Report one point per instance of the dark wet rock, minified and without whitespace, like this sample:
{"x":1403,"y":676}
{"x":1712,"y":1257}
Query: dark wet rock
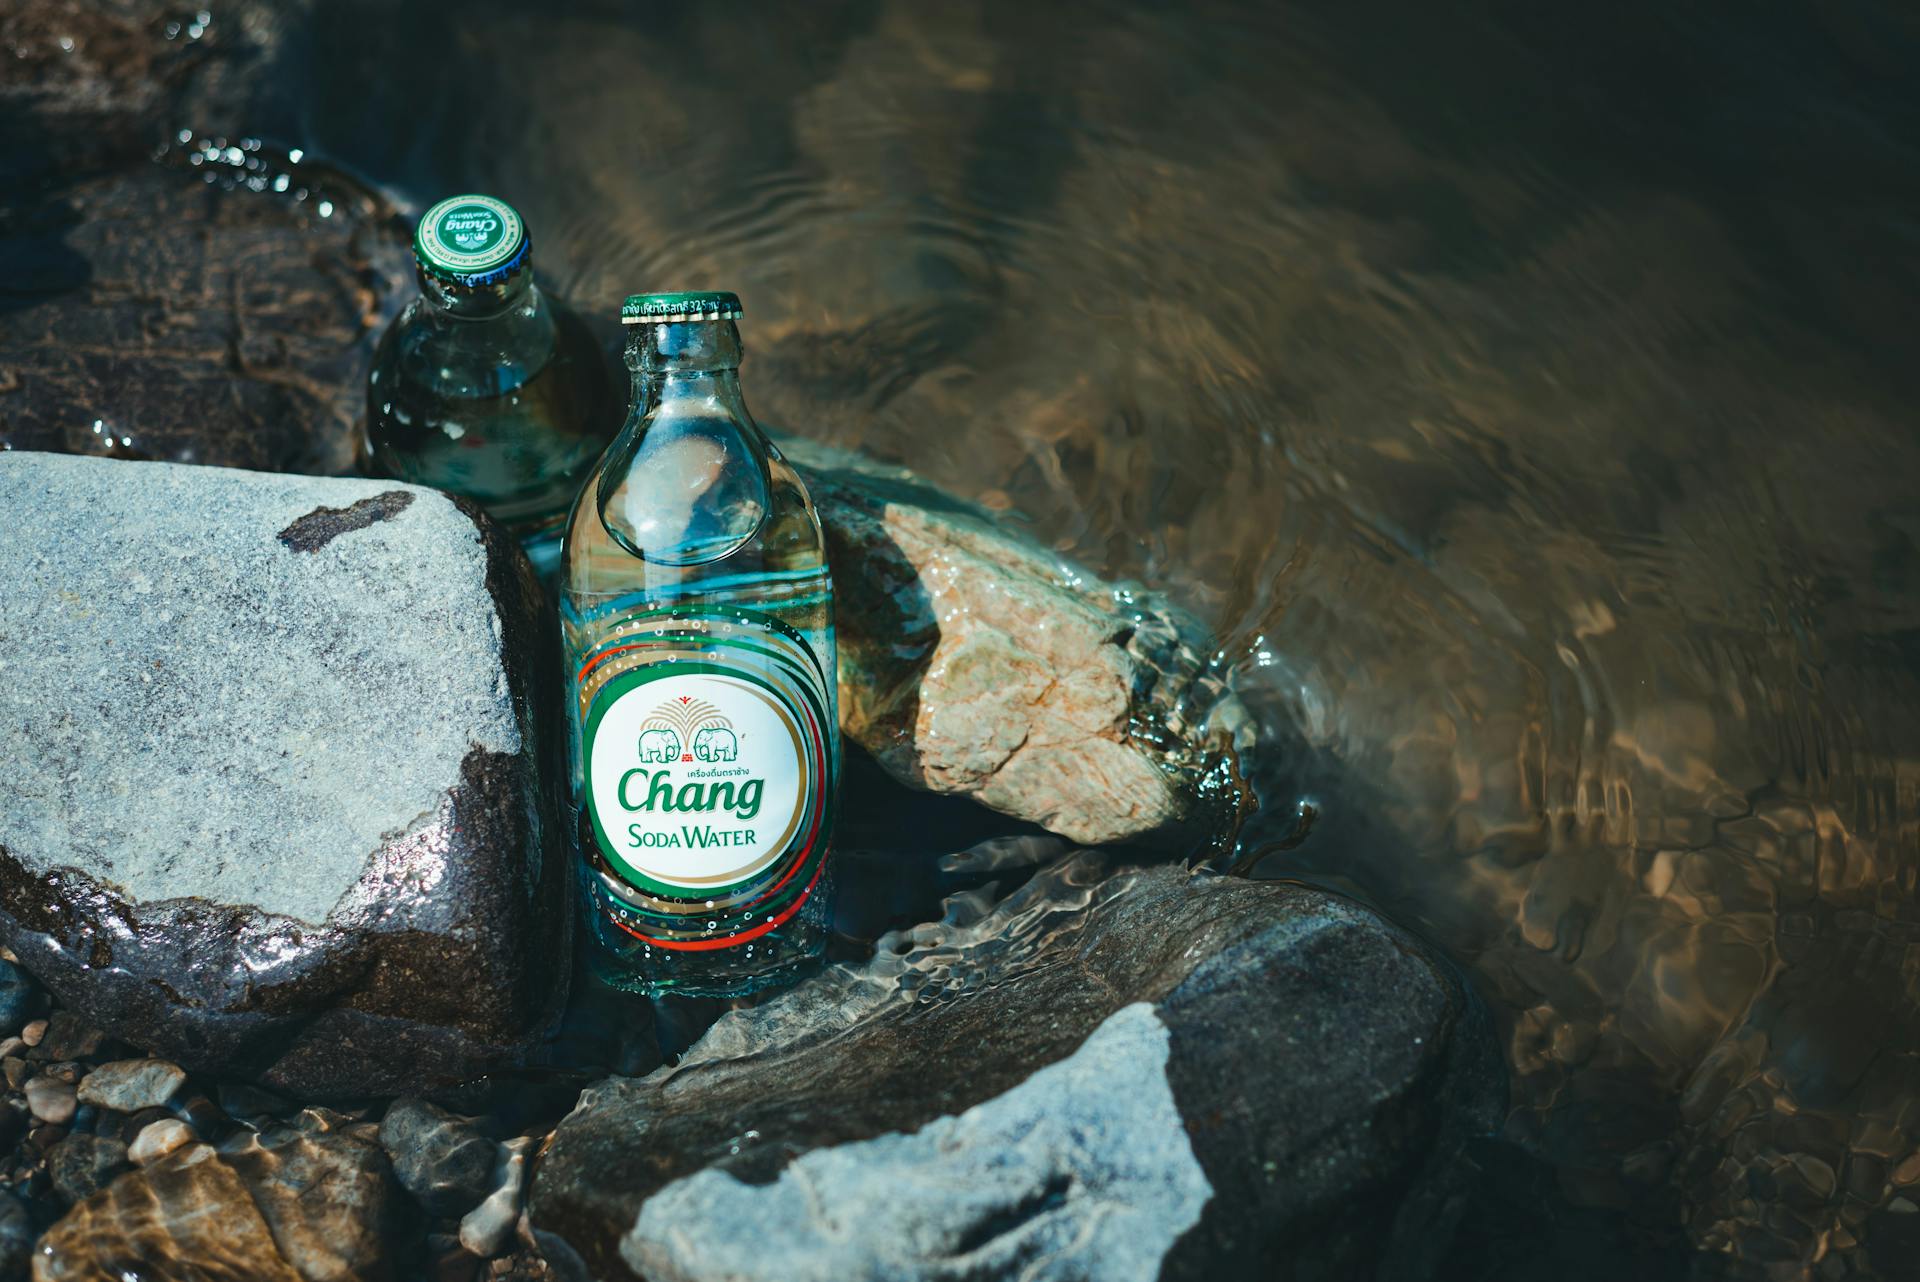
{"x":183,"y":322}
{"x":1118,"y":1076}
{"x":441,"y":1159}
{"x":87,"y":75}
{"x":20,"y":998}
{"x":83,"y":1164}
{"x":216,"y":308}
{"x":277,"y":813}
{"x":252,"y":1105}
{"x":16,"y":1238}
{"x":128,"y":1085}
{"x":975,"y":662}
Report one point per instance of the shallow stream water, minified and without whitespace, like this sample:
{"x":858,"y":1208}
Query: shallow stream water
{"x":1525,"y":398}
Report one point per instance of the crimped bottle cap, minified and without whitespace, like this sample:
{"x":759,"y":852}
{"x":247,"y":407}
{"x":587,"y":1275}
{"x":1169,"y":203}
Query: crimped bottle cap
{"x":472,"y":240}
{"x":657,"y":309}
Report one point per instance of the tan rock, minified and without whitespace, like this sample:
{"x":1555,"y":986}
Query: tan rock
{"x":187,"y":1215}
{"x":50,"y":1099}
{"x":280,"y":1207}
{"x":972,"y":661}
{"x":157,"y":1139}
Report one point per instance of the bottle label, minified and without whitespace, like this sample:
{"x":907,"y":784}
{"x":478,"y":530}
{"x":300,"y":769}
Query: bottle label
{"x":706,"y":749}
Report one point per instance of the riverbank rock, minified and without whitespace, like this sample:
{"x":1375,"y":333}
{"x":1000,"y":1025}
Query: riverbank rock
{"x":972,"y":661}
{"x":1128,"y":1076}
{"x":181,"y":321}
{"x":279,"y":1207}
{"x":276,"y":803}
{"x":217,"y":307}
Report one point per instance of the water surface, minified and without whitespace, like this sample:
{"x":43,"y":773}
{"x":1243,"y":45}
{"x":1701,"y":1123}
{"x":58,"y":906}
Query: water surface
{"x":1524,"y":396}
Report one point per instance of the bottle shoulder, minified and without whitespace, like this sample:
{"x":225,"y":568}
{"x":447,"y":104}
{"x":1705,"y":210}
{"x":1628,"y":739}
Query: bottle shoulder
{"x":428,"y":347}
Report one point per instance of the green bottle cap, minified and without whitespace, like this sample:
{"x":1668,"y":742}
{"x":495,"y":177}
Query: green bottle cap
{"x":655,"y":309}
{"x":471,"y":240}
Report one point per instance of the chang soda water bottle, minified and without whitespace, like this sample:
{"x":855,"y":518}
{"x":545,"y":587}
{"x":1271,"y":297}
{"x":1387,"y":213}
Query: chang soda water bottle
{"x":698,"y":623}
{"x":484,"y":385}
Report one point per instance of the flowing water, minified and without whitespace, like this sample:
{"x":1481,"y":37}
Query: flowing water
{"x":1523,"y":395}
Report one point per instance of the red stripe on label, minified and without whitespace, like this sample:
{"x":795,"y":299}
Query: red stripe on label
{"x":731,"y":941}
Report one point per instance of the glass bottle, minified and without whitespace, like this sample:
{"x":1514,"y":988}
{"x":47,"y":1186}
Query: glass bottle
{"x":697,"y":615}
{"x":484,"y":385}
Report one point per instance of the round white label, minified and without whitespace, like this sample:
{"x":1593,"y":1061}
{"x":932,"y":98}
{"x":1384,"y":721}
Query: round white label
{"x":697,"y":782}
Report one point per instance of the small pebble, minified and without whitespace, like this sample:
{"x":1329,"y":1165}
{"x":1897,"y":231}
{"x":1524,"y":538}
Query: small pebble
{"x":128,"y":1085}
{"x":11,"y":1047}
{"x":486,"y":1229}
{"x":33,"y":1032}
{"x":158,"y":1140}
{"x":16,"y":1071}
{"x":51,"y":1099}
{"x":45,"y":1137}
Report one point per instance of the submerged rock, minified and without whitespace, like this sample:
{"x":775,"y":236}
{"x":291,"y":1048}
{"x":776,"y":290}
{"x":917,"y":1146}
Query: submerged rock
{"x":972,"y":661}
{"x":218,"y":307}
{"x":82,"y":1164}
{"x":484,"y":1231}
{"x":441,"y":1159}
{"x":16,"y":1237}
{"x":20,"y":999}
{"x":188,"y":323}
{"x":129,"y":1085}
{"x":1131,"y":1076}
{"x":277,"y":803}
{"x":281,"y":1207}
{"x":157,"y":1139}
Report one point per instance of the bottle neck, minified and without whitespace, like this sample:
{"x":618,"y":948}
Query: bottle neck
{"x":686,"y":360}
{"x":480,"y":302}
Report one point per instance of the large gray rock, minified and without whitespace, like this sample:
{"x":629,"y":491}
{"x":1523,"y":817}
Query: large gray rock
{"x":974,"y":662}
{"x":275,"y":798}
{"x":1129,"y":1076}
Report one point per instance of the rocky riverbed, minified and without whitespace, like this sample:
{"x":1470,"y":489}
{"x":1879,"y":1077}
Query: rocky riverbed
{"x":1081,"y":1067}
{"x":319,"y":1030}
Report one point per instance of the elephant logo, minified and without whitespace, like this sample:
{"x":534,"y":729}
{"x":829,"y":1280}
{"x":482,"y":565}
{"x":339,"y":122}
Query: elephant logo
{"x":687,"y":729}
{"x":715,"y":742}
{"x":660,"y":745}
